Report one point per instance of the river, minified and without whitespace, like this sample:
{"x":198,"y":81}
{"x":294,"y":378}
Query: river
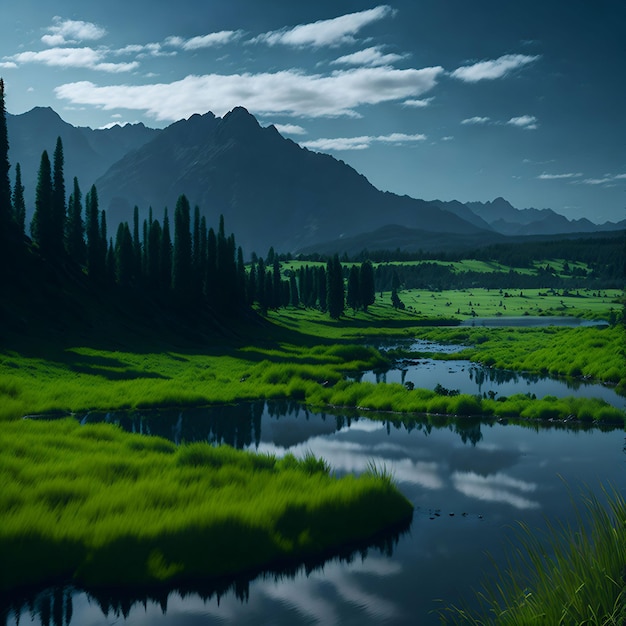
{"x":470,"y":482}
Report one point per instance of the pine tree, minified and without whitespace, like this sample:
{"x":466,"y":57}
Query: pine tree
{"x":75,"y":228}
{"x":6,"y":209}
{"x":137,"y":251}
{"x":294,"y":297}
{"x":153,"y":263}
{"x":165,"y":270}
{"x":276,"y":284}
{"x":95,"y":267}
{"x":19,"y":206}
{"x":335,"y":288}
{"x":211,"y":272}
{"x":182,"y":265}
{"x":58,"y":199}
{"x":353,"y":297}
{"x":322,"y":289}
{"x":42,"y":225}
{"x":367,"y":286}
{"x":124,"y":256}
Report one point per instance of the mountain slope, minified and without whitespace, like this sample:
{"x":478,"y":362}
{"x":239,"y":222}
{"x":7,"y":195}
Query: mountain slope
{"x":271,"y":191}
{"x":88,"y":153}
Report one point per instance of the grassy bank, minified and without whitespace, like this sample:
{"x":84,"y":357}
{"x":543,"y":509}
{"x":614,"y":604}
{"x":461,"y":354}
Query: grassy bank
{"x":593,"y":353}
{"x":564,"y":575}
{"x":98,"y":506}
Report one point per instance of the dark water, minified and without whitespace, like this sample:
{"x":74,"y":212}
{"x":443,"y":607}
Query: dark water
{"x":469,"y":483}
{"x":473,"y":378}
{"x":531,"y":320}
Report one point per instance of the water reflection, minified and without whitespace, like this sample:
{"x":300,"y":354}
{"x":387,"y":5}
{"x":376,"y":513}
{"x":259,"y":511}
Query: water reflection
{"x":469,"y":482}
{"x":67,"y":605}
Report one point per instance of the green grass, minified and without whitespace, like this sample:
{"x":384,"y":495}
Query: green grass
{"x":567,"y":574}
{"x":95,"y":505}
{"x":594,"y":353}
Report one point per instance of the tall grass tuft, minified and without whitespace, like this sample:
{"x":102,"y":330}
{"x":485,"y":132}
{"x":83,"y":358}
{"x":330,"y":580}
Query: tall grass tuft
{"x":567,"y":574}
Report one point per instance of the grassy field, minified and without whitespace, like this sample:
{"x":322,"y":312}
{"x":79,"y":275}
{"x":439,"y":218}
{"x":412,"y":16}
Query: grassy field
{"x":98,"y":506}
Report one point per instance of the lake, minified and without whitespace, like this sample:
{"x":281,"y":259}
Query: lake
{"x":470,"y":482}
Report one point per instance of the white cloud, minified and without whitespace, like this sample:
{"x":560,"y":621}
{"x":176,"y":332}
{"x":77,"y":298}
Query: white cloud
{"x":9,"y":65}
{"x":476,"y":120}
{"x":290,"y":129}
{"x":370,"y":56}
{"x":287,"y":92}
{"x":360,"y":143}
{"x":332,"y":32}
{"x":73,"y":57}
{"x":72,"y":31}
{"x":447,"y":138}
{"x":545,"y":176}
{"x":206,"y":41}
{"x":524,"y":121}
{"x":418,"y":104}
{"x":489,"y":70}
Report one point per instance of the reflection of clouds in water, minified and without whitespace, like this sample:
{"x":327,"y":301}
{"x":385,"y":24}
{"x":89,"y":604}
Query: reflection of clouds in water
{"x":495,"y":488}
{"x":366,"y":425}
{"x":311,"y":597}
{"x":348,"y":456}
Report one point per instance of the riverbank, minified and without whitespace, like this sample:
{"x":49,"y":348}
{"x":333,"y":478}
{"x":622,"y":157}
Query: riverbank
{"x":93,"y":505}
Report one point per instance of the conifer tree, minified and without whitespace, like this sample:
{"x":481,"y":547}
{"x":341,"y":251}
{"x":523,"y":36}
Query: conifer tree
{"x":95,"y":267}
{"x":124,"y":256}
{"x":251,"y":289}
{"x":58,"y":199}
{"x":276,"y":284}
{"x":182,"y":265}
{"x":353,"y":297}
{"x":153,"y":264}
{"x":366,"y":284}
{"x":6,"y":209}
{"x":165,"y":281}
{"x":137,"y":252}
{"x":19,"y":206}
{"x":211,"y":272}
{"x":335,"y":288}
{"x":75,"y":228}
{"x":322,"y":288}
{"x":41,"y":227}
{"x":293,"y":291}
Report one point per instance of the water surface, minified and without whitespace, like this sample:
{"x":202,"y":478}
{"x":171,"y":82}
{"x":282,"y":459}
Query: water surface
{"x":470,"y":482}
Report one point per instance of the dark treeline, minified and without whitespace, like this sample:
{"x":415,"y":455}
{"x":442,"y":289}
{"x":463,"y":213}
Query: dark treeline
{"x":184,"y":264}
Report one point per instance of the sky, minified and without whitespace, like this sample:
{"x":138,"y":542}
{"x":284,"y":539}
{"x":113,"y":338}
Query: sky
{"x":438,"y":99}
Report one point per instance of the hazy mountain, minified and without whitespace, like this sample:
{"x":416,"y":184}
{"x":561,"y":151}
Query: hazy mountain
{"x":393,"y":237}
{"x":271,"y":191}
{"x":504,"y":218}
{"x":88,"y":153}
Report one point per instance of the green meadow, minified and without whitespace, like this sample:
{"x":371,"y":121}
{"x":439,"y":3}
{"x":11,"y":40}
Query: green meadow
{"x":95,"y":505}
{"x":98,"y":506}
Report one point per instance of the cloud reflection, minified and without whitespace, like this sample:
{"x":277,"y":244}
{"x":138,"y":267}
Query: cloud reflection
{"x":495,"y":488}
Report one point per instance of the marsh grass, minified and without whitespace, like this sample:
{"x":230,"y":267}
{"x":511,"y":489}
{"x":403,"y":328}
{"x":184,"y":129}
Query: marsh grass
{"x":96,"y":505}
{"x":566,"y":574}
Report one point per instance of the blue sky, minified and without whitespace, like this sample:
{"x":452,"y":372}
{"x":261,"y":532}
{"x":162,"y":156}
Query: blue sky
{"x":447,"y":99}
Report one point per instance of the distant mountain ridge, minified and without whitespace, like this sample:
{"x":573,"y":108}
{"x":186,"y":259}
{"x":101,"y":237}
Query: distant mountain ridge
{"x":271,"y":191}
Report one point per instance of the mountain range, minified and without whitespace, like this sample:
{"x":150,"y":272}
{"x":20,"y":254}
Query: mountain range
{"x":271,"y":191}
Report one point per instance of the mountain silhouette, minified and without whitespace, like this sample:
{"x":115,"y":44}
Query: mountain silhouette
{"x":271,"y":191}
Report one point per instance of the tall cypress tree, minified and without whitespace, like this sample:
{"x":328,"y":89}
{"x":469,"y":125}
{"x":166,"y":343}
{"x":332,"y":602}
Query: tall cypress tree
{"x":41,"y":227}
{"x":58,"y":198}
{"x":6,"y":208}
{"x":75,"y":228}
{"x":124,"y":256}
{"x":137,"y":254}
{"x":153,"y":263}
{"x":166,"y":256}
{"x":211,"y":271}
{"x":182,"y":266}
{"x":367,"y":286}
{"x":94,"y":265}
{"x":19,"y":206}
{"x":353,"y":297}
{"x":335,"y":288}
